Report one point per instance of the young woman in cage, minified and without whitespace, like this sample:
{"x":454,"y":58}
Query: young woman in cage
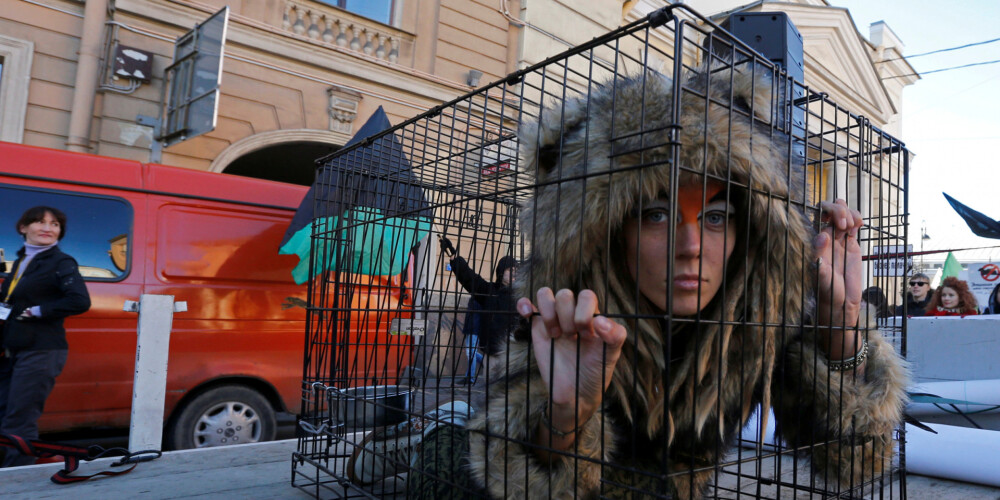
{"x":642,"y":356}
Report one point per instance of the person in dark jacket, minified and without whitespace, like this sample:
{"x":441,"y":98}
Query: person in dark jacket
{"x":470,"y":332}
{"x":993,"y":303}
{"x":918,"y":297}
{"x":875,"y":298}
{"x":497,"y":317}
{"x":43,"y":287}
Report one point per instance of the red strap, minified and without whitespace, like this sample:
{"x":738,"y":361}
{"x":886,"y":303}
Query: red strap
{"x":64,"y":477}
{"x":71,"y":456}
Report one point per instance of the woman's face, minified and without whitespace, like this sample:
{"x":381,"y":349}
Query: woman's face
{"x":708,"y":248}
{"x":42,"y":233}
{"x":949,"y":297}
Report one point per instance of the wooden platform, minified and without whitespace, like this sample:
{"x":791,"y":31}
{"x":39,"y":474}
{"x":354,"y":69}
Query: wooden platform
{"x":263,"y":471}
{"x":260,"y":471}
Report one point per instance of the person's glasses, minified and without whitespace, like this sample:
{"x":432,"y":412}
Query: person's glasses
{"x":918,"y":283}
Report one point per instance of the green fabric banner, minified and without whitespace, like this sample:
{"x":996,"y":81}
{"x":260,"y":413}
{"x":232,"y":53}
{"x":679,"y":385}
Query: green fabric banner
{"x":369,"y":243}
{"x":951,"y":267}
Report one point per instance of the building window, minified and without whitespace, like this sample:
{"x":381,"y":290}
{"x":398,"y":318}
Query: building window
{"x":15,"y":74}
{"x":379,"y":10}
{"x":98,"y":229}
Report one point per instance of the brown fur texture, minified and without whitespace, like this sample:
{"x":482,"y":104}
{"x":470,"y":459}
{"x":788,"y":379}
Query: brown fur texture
{"x":596,"y":162}
{"x":518,"y":474}
{"x":845,"y":426}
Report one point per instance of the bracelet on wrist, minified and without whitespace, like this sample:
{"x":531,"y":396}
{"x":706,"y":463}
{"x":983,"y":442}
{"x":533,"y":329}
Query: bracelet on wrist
{"x":852,"y":362}
{"x":547,"y":420}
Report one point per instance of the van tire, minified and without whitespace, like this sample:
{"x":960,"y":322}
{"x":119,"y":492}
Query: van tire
{"x":223,"y":416}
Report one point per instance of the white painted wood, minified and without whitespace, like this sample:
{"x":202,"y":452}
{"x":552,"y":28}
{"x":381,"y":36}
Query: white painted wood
{"x":156,"y":314}
{"x":942,"y":349}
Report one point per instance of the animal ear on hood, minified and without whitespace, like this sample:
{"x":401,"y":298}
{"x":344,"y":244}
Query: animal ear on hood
{"x":543,"y":138}
{"x":752,"y":92}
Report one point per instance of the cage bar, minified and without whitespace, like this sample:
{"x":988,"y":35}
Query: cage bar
{"x":385,"y":344}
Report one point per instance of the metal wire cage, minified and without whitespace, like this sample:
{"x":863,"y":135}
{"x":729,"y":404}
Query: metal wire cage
{"x":678,"y":175}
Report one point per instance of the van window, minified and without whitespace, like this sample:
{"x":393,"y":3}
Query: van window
{"x":97,"y":235}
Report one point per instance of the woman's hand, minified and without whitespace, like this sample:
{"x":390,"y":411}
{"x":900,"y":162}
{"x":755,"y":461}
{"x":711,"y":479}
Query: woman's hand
{"x":838,"y":258}
{"x":576,"y":352}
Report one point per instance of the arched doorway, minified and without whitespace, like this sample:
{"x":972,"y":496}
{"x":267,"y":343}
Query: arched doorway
{"x":292,"y":162}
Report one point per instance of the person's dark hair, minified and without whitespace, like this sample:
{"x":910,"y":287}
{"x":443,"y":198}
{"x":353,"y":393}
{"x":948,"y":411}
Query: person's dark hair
{"x":876,"y":298}
{"x":37,"y":214}
{"x":966,"y":301}
{"x":505,"y":263}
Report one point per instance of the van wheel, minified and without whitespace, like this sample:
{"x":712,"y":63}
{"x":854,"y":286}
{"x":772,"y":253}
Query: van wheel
{"x":223,"y":416}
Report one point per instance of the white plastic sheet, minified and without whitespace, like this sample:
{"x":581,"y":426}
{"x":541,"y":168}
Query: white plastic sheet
{"x":958,"y":453}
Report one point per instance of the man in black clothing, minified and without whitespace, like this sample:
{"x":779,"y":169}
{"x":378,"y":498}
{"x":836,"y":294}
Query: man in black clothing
{"x":497,"y":317}
{"x":918,"y":296}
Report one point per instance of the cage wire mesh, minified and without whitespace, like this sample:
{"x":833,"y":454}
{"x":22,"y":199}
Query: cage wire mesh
{"x":677,"y":175}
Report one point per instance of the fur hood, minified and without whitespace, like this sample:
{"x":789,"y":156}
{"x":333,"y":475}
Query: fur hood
{"x":598,"y":160}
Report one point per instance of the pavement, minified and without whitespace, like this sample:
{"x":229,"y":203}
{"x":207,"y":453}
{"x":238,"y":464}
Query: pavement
{"x":264,"y":471}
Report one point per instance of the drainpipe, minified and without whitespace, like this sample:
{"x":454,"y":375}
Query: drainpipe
{"x":87,"y":70}
{"x":513,"y":33}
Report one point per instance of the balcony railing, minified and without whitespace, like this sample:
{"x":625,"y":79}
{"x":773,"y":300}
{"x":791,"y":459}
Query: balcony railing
{"x":335,"y":26}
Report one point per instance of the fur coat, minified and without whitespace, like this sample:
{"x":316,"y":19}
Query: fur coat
{"x":682,"y":388}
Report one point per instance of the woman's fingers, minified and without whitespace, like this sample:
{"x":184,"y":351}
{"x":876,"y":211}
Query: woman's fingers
{"x":546,"y":303}
{"x":612,"y":333}
{"x":838,"y":215}
{"x":858,"y":223}
{"x":841,"y":217}
{"x":823,"y":252}
{"x":525,"y":308}
{"x":838,"y":258}
{"x":586,"y":308}
{"x":565,"y":311}
{"x":564,"y":314}
{"x":833,"y":213}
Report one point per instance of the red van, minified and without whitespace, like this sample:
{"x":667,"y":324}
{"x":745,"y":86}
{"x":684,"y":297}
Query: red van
{"x":208,"y":239}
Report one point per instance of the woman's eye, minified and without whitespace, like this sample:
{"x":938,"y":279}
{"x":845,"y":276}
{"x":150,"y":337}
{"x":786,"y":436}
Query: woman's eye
{"x":655,"y":216}
{"x":715,"y":219}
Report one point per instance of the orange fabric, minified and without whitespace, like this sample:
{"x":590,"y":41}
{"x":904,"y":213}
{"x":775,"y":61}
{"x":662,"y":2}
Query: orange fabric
{"x":689,"y":200}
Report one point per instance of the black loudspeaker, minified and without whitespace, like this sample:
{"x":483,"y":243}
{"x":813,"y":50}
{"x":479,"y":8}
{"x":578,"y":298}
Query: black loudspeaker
{"x":773,"y":35}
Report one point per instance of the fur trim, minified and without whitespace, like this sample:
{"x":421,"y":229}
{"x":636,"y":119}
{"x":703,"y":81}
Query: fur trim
{"x":501,"y":457}
{"x":598,"y":159}
{"x":587,"y":188}
{"x":849,"y":422}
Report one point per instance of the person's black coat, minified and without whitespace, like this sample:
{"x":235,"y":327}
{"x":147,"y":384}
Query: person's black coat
{"x":53,"y":282}
{"x":993,"y":303}
{"x":913,"y":307}
{"x":497,"y":317}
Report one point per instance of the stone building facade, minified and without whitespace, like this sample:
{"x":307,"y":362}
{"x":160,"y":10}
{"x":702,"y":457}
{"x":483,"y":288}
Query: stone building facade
{"x":302,"y":73}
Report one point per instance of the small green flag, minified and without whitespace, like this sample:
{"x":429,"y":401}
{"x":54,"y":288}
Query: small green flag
{"x":951,"y":267}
